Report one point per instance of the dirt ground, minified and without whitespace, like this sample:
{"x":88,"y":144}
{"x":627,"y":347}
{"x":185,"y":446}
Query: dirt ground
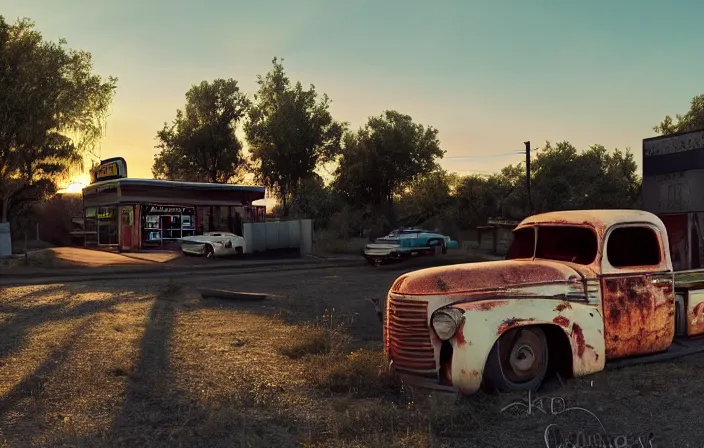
{"x":149,"y":364}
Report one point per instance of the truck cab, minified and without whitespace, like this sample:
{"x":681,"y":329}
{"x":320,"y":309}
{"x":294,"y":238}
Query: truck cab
{"x":578,"y":289}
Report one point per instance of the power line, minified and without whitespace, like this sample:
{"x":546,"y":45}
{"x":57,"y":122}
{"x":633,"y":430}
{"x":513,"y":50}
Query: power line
{"x":474,"y":171}
{"x":504,"y":154}
{"x":510,"y":162}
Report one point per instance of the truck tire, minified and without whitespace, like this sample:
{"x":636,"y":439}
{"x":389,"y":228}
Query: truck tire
{"x":209,"y":252}
{"x":518,"y":361}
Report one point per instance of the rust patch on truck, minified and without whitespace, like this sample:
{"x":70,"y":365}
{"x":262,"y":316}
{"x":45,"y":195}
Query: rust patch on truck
{"x":695,"y":320}
{"x":490,"y":304}
{"x":482,"y":305}
{"x":562,"y":321}
{"x":563,"y":306}
{"x":513,"y":322}
{"x":579,"y":339}
{"x":507,"y":324}
{"x":459,"y":336}
{"x":637,"y":316}
{"x":442,"y":286}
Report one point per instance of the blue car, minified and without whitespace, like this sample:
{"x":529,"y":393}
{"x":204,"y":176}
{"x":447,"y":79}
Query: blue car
{"x":406,"y":243}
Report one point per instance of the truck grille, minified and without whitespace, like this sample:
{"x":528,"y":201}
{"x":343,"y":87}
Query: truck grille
{"x":408,"y":337}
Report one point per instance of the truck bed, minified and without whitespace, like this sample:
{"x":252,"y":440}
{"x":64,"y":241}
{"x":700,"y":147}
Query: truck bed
{"x":691,"y":279}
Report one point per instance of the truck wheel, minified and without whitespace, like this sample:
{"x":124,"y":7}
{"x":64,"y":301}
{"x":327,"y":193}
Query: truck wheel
{"x":518,"y":361}
{"x":209,"y":252}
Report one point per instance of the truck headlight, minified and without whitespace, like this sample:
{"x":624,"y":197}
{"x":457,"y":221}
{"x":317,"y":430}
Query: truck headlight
{"x":446,"y":321}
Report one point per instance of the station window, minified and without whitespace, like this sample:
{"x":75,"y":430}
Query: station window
{"x":166,"y":224}
{"x":107,"y":225}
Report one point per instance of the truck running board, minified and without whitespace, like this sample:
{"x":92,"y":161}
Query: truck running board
{"x":679,"y":348}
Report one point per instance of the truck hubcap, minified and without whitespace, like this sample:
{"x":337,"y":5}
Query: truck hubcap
{"x":521,"y":354}
{"x":522,"y":358}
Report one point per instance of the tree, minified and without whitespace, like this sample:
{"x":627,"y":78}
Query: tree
{"x":383,"y":158}
{"x":427,"y":196}
{"x":500,"y":195}
{"x":290,"y":132}
{"x":314,"y":200}
{"x":693,"y":120}
{"x":564,"y":179}
{"x":200,"y":145}
{"x":557,"y":178}
{"x":52,"y":113}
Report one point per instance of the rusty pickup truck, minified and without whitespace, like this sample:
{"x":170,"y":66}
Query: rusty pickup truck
{"x":577,"y":289}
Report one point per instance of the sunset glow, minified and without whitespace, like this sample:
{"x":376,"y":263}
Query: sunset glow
{"x":76,"y":185}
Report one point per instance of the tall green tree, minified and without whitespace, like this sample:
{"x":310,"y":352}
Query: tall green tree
{"x":52,"y":113}
{"x":200,"y":145}
{"x":383,"y":158}
{"x":290,"y":132}
{"x":693,"y":120}
{"x":565,"y":179}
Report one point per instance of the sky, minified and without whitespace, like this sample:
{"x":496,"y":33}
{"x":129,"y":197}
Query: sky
{"x":487,"y":74}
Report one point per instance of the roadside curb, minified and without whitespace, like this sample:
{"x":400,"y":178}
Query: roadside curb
{"x":112,"y":271}
{"x":166,"y":274}
{"x":90,"y":274}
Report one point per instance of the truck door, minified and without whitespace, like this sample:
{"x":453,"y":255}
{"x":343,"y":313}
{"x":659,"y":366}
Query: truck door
{"x":638,"y":301}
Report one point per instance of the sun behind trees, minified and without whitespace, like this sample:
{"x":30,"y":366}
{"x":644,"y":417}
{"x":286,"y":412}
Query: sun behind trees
{"x":52,"y":113}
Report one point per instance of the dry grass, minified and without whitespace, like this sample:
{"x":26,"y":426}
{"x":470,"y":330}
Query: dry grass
{"x":326,"y":335}
{"x":360,"y":373}
{"x":333,"y":364}
{"x":312,"y":339}
{"x":365,"y":405}
{"x":157,"y":366}
{"x":163,"y":367}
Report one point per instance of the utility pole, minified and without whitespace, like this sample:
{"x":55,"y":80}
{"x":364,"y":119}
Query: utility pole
{"x":530,"y":200}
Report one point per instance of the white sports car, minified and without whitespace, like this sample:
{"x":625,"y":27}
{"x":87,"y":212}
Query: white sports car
{"x":213,"y":244}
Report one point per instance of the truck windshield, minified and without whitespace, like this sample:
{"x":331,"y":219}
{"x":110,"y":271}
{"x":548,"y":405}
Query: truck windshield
{"x":561,"y":243}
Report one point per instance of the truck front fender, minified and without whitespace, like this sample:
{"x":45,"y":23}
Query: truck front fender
{"x":485,"y":321}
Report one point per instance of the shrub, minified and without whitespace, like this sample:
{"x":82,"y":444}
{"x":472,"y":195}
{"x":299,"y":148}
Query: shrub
{"x":314,"y":339}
